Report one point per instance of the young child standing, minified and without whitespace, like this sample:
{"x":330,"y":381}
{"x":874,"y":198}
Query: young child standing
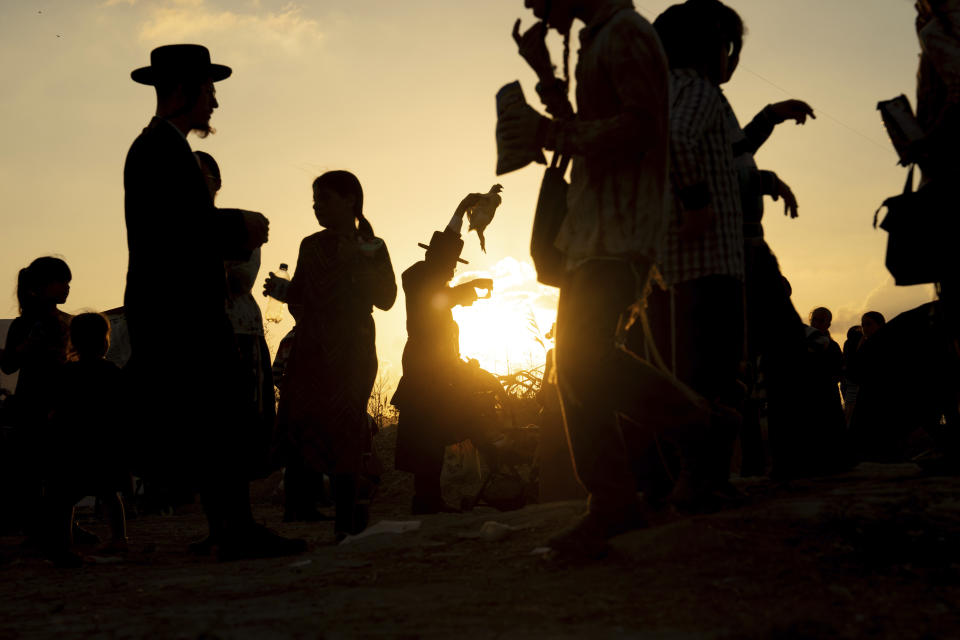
{"x":87,"y":427}
{"x":702,"y":260}
{"x":342,"y":272}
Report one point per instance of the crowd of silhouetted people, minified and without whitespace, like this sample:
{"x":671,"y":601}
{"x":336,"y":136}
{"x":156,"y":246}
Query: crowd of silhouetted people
{"x":676,"y":337}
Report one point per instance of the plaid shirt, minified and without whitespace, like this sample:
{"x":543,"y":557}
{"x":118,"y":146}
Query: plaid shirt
{"x":702,"y":174}
{"x":616,"y":204}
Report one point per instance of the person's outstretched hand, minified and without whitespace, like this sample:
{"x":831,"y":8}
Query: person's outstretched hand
{"x":467,"y":203}
{"x":485,"y":284}
{"x":796,"y":110}
{"x":258,"y":228}
{"x":789,"y":200}
{"x":533,"y":48}
{"x":465,"y":294}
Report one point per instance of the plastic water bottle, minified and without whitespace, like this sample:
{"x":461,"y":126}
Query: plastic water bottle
{"x":275,"y":307}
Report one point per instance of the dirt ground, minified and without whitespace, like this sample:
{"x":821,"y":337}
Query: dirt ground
{"x":874,"y":552}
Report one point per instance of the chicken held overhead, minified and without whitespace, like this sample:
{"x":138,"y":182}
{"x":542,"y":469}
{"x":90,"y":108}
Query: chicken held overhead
{"x":480,"y":210}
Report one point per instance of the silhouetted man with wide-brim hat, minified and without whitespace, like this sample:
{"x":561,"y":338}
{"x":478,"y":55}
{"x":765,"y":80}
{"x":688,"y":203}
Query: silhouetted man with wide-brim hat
{"x":434,"y":395}
{"x":184,"y":369}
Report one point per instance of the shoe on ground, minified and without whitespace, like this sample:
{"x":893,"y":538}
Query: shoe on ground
{"x":706,"y":502}
{"x":935,"y":462}
{"x":258,"y":542}
{"x":202,"y":547}
{"x":728,"y":491}
{"x":84,"y":536}
{"x":358,"y":523}
{"x":587,"y":538}
{"x":695,"y":499}
{"x":752,"y":471}
{"x":361,"y":516}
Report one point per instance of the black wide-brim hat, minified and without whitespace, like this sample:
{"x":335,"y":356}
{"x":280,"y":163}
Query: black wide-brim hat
{"x":176,"y":62}
{"x":445,"y":245}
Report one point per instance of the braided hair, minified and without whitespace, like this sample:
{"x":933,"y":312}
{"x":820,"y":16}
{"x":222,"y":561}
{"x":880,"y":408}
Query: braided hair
{"x":566,"y":61}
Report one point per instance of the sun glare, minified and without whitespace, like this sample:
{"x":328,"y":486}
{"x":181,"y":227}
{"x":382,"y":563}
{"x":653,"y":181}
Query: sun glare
{"x":506,"y":332}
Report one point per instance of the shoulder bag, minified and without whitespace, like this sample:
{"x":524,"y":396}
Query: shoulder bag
{"x":551,"y":210}
{"x":921,"y":230}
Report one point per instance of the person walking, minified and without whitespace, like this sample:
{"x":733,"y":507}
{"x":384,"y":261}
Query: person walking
{"x":610,"y":238}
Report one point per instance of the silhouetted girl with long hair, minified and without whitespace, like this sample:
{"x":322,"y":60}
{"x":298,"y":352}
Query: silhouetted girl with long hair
{"x":37,"y":345}
{"x":37,"y":341}
{"x":342,"y":272}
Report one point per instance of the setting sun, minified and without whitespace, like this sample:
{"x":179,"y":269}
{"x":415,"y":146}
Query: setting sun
{"x":506,"y":332}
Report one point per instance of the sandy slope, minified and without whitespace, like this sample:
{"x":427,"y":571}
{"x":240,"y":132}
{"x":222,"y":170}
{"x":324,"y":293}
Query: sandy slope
{"x":875,"y":552}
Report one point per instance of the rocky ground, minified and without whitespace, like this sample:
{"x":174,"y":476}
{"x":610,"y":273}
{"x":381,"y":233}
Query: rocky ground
{"x":874,"y":552}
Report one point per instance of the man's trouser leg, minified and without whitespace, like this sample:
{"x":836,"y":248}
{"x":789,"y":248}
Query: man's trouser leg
{"x":710,"y":336}
{"x":714,"y":313}
{"x":698,"y":326}
{"x":591,"y":301}
{"x":347,"y":522}
{"x":299,"y":488}
{"x":219,"y":467}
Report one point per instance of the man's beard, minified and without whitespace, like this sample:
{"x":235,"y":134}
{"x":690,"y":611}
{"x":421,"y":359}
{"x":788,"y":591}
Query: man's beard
{"x":204,"y":131}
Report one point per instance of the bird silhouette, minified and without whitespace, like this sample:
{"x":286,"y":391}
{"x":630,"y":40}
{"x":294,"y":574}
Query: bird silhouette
{"x":480,"y":210}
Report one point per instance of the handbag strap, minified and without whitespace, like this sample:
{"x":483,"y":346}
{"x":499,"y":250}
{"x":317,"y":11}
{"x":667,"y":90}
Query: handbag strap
{"x":907,"y":190}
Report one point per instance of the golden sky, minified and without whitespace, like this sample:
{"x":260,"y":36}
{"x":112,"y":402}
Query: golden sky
{"x":402,"y":94}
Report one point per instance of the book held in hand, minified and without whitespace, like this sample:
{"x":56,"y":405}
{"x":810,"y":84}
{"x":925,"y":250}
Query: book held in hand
{"x":901,"y":124}
{"x":509,"y":159}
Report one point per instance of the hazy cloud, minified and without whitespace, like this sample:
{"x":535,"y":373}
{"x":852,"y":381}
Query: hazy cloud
{"x":253,"y":28}
{"x":506,"y":332}
{"x":887,"y":298}
{"x":516,"y":279}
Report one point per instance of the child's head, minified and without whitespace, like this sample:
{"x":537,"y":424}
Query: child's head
{"x":705,"y":35}
{"x":855,"y":332}
{"x":211,"y":172}
{"x":338,"y":196}
{"x":90,"y":335}
{"x":820,"y":319}
{"x":872,"y":321}
{"x":45,"y":283}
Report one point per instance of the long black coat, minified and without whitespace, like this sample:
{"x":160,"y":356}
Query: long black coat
{"x":183,"y":363}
